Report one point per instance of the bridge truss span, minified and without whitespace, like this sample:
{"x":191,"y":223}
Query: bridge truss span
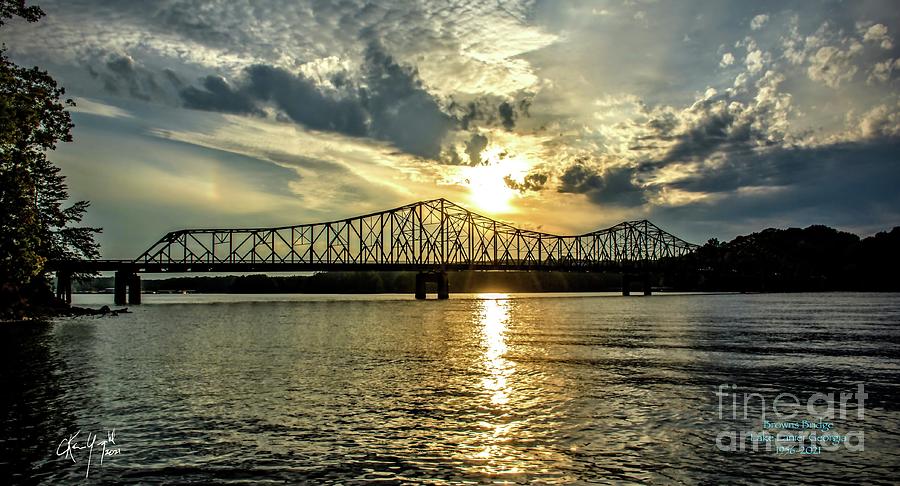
{"x":426,"y":235}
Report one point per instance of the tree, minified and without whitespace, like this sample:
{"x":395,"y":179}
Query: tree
{"x":35,"y":225}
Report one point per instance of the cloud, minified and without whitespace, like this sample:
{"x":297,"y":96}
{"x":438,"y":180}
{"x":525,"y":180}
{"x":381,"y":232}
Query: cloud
{"x":173,"y":78}
{"x":474,"y":147}
{"x":665,"y":145}
{"x":833,"y":57}
{"x":507,"y":115}
{"x":473,"y":49}
{"x":98,"y":108}
{"x":388,"y":101}
{"x":362,"y":174}
{"x":756,"y":60}
{"x":534,"y":181}
{"x":758,"y":21}
{"x":717,"y":122}
{"x":880,"y":122}
{"x":705,"y":113}
{"x":878,"y":34}
{"x":668,"y":146}
{"x":614,"y":185}
{"x":400,"y":107}
{"x":382,"y":99}
{"x":122,"y":65}
{"x":121,"y":74}
{"x":792,"y":185}
{"x":727,"y":59}
{"x":304,"y":102}
{"x":218,"y":95}
{"x":489,"y":111}
{"x":882,"y":72}
{"x":832,"y":65}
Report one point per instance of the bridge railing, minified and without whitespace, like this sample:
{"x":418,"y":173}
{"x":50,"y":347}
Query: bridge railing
{"x":436,"y":232}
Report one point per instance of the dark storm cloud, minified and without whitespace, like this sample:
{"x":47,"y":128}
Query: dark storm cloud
{"x":173,"y":78}
{"x":304,"y":102}
{"x":218,"y":95}
{"x":122,"y":66}
{"x":483,"y":112}
{"x":488,"y":111}
{"x":468,"y":115}
{"x":123,"y":75}
{"x":295,"y":96}
{"x":389,"y":102}
{"x":798,"y":167}
{"x":610,"y":186}
{"x":534,"y":181}
{"x":711,"y":126}
{"x":474,"y":147}
{"x":401,"y":109}
{"x":507,"y":115}
{"x":852,"y":186}
{"x":121,"y":72}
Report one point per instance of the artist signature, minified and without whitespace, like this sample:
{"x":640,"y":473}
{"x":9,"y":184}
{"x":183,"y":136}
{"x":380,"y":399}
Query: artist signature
{"x":71,"y":447}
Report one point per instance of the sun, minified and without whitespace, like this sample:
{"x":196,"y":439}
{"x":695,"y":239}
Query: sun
{"x":488,"y":189}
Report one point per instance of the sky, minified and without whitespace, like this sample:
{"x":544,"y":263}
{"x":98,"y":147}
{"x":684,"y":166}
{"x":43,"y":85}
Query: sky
{"x":711,"y":118}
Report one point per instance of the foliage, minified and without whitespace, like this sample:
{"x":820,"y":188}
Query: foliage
{"x":813,"y":258}
{"x":35,"y":225}
{"x":13,"y":8}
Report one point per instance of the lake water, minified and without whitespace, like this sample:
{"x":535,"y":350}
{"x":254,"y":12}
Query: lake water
{"x":480,"y":388}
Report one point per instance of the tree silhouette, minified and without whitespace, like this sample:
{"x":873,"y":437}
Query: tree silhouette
{"x":35,"y":225}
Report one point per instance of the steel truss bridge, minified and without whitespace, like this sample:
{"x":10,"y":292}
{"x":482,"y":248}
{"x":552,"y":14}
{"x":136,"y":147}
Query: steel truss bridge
{"x":431,"y":237}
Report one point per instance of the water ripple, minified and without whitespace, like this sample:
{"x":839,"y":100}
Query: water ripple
{"x":499,"y":389}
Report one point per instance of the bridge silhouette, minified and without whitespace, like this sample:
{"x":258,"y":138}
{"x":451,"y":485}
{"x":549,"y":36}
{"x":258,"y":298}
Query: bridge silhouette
{"x":431,"y":237}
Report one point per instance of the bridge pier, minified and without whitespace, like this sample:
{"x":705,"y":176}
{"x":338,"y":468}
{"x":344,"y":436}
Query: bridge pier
{"x":443,"y":285}
{"x":127,"y":283}
{"x":420,"y":286}
{"x":440,"y":278}
{"x":134,"y":289}
{"x":646,"y":283}
{"x":120,"y":286}
{"x":64,"y":286}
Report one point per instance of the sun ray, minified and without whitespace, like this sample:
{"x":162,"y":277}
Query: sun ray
{"x":488,"y":189}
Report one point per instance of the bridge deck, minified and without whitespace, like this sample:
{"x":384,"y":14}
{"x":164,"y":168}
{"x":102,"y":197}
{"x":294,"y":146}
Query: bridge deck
{"x":90,"y":266}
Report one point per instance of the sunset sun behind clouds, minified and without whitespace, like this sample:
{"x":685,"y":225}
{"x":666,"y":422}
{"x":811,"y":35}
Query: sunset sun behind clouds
{"x":707,"y":119}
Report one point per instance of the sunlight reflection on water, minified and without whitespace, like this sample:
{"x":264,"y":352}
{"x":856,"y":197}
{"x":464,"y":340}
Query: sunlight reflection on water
{"x":494,"y":313}
{"x":493,"y":387}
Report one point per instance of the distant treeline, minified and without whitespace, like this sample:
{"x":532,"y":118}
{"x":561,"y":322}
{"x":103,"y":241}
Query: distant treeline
{"x":374,"y":282}
{"x":816,"y":258}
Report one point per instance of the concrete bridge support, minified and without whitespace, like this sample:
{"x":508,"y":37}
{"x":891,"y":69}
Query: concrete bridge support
{"x":127,"y":282}
{"x":420,"y":286}
{"x":64,"y":286}
{"x":440,"y":278}
{"x":134,"y":289}
{"x":443,"y":285}
{"x":646,"y":281}
{"x":121,"y":283}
